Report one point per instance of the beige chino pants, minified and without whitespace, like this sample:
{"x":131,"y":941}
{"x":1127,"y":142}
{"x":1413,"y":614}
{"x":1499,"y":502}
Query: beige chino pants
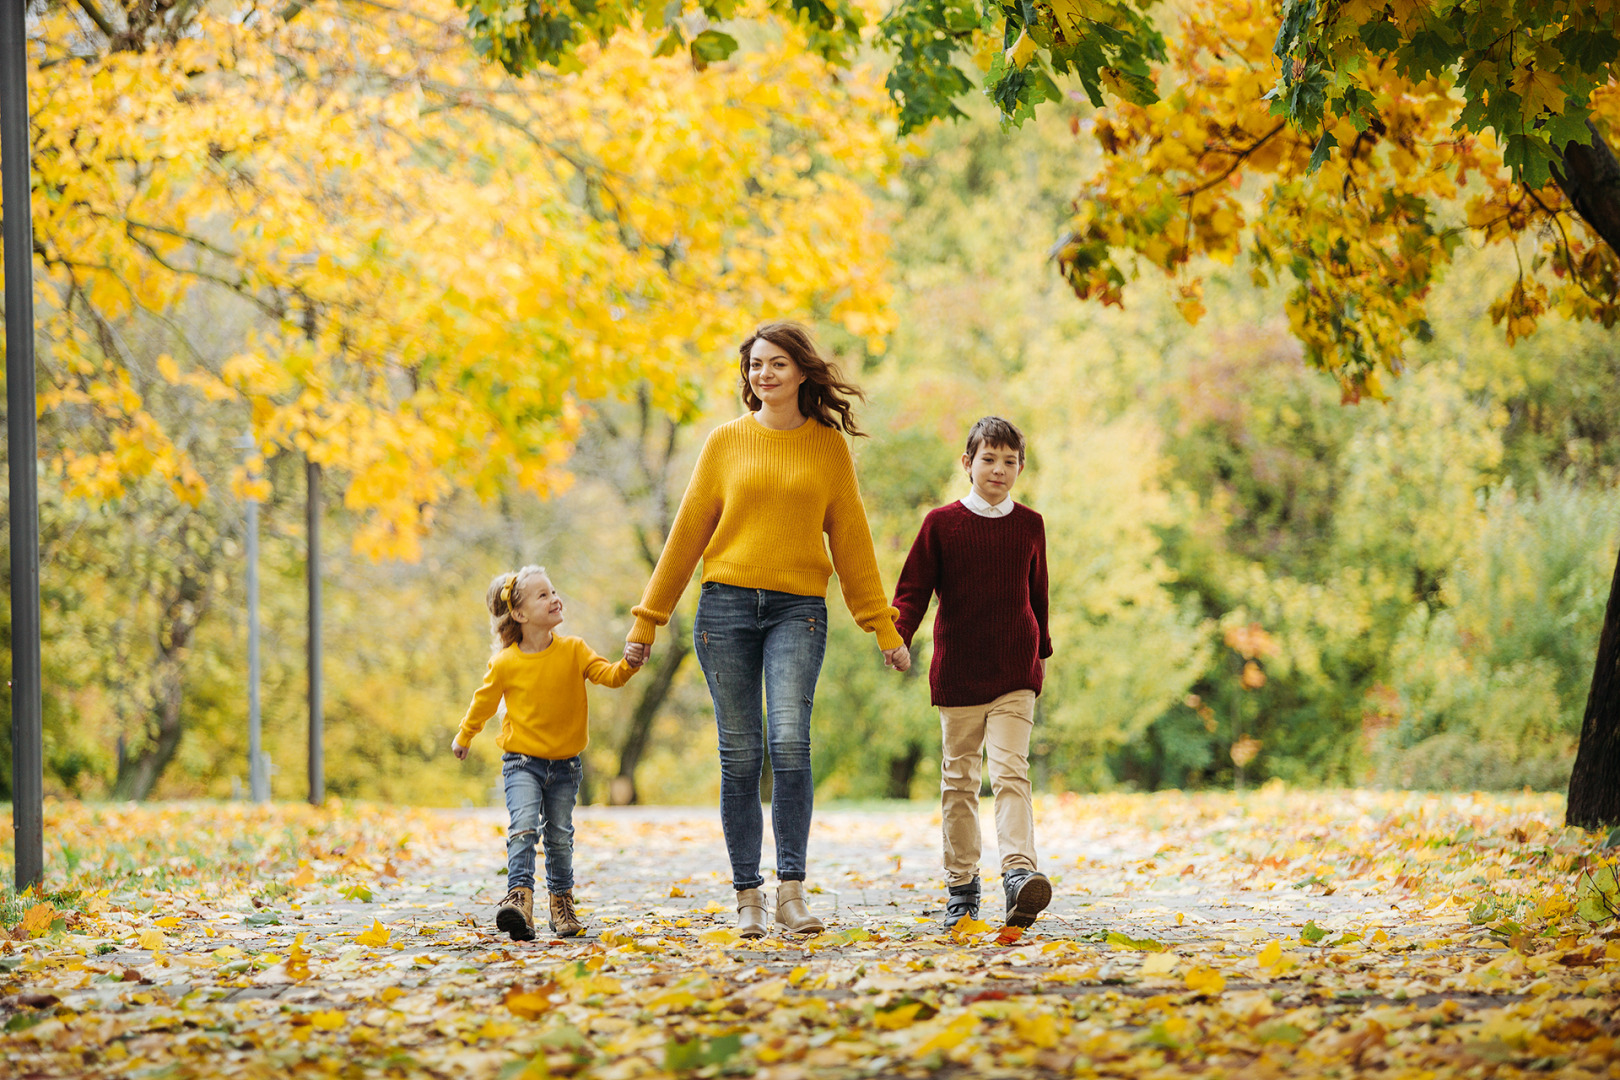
{"x":1003,"y":727}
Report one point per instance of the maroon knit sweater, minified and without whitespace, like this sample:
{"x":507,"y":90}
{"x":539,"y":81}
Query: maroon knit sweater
{"x":990,"y":635}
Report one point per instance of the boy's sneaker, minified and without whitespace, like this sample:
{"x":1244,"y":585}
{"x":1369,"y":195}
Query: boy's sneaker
{"x":962,"y":904}
{"x":1028,"y":893}
{"x":515,"y":916}
{"x":564,"y":922}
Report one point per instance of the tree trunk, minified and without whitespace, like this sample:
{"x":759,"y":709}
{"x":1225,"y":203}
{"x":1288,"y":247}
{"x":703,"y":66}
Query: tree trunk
{"x":1594,"y":785}
{"x":622,"y":790}
{"x":1589,"y":177}
{"x":901,"y":771}
{"x":184,"y":607}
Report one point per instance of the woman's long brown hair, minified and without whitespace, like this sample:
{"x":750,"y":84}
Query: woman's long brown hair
{"x":824,"y":396}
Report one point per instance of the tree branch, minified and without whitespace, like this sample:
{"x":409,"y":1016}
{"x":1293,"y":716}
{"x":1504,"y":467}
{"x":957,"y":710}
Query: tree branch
{"x":106,"y":28}
{"x":1589,"y":177}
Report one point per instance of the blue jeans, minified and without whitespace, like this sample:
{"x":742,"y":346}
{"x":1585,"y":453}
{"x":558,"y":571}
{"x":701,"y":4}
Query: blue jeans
{"x":745,"y":637}
{"x":540,"y":795}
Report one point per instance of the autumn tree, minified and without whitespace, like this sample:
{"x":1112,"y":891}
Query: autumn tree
{"x":427,"y":270}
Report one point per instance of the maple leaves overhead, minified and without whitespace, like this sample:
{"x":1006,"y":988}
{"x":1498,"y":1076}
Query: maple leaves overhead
{"x":431,"y":265}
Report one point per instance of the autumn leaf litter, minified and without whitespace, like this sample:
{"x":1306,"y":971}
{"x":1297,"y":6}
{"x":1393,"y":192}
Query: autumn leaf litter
{"x":1271,"y":934}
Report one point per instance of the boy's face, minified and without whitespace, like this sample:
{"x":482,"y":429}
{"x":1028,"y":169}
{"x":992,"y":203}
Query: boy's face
{"x":538,"y":604}
{"x":993,"y":470}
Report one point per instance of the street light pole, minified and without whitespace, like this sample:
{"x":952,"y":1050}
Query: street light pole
{"x":258,"y":775}
{"x":317,"y":719}
{"x":27,"y":738}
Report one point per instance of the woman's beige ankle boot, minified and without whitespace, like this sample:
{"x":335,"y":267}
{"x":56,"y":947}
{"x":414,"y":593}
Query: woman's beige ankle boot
{"x":751,"y":913}
{"x":791,"y":913}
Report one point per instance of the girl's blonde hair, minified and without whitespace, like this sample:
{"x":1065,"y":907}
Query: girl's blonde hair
{"x":505,"y":590}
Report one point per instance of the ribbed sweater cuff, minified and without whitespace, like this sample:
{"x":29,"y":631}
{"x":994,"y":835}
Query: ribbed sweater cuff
{"x":888,"y":637}
{"x":644,"y":631}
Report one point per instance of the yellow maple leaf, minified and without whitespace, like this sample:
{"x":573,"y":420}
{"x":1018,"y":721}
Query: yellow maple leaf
{"x":37,"y":919}
{"x":168,"y":923}
{"x":1039,"y":1030}
{"x":1160,"y":963}
{"x":529,"y":1004}
{"x":1269,"y":955}
{"x":305,"y":876}
{"x":377,"y":936}
{"x":1022,"y":51}
{"x":896,"y":1019}
{"x":1205,"y":980}
{"x":151,"y":940}
{"x":952,"y":1036}
{"x":1539,"y":90}
{"x":970,"y":928}
{"x":327,"y":1020}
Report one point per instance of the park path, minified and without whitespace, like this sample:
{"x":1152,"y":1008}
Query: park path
{"x":1216,"y":935}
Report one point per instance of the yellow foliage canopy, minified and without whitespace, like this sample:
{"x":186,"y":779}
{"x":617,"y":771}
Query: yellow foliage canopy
{"x":441,"y":264}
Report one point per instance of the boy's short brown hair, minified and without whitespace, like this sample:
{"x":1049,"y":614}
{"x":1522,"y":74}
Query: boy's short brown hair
{"x":995,"y":431}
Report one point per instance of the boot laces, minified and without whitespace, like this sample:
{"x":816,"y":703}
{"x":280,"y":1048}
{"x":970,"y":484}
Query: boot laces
{"x":565,"y":906}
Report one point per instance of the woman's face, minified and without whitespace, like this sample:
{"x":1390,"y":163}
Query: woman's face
{"x":773,"y":376}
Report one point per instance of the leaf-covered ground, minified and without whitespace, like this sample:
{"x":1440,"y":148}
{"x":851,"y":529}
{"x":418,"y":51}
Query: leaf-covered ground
{"x":1273,"y":934}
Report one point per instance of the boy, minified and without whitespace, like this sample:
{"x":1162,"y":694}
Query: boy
{"x":985,"y":556}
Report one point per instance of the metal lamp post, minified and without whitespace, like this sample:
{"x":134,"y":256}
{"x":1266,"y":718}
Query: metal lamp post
{"x":258,"y":774}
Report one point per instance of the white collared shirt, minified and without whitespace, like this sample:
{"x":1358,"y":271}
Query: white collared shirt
{"x":975,"y":502}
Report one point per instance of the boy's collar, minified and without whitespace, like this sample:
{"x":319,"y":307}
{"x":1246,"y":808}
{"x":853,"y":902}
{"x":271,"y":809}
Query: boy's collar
{"x":976,"y":503}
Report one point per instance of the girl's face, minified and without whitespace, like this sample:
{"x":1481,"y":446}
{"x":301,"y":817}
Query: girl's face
{"x":773,"y":376}
{"x":537,"y":603}
{"x":993,"y":470}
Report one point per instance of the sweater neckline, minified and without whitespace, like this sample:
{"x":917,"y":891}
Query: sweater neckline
{"x":517,"y":647}
{"x":752,"y":421}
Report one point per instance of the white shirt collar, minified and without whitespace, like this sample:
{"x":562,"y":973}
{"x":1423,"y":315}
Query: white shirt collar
{"x":974,"y":502}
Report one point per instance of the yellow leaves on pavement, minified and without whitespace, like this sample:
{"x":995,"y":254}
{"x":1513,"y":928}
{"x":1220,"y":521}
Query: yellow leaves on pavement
{"x":1269,"y":955}
{"x":530,"y":1004}
{"x":327,"y":1020}
{"x":1205,"y":980}
{"x":151,"y":940}
{"x":377,"y":936}
{"x":1160,"y":963}
{"x":305,"y":876}
{"x":951,"y":1036}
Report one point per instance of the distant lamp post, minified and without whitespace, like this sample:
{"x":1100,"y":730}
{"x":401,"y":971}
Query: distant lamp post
{"x":258,"y":763}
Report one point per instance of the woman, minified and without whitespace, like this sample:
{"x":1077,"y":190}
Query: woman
{"x":766,"y":487}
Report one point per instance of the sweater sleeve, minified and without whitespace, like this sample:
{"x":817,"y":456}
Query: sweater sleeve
{"x":1037,"y":587}
{"x":918,"y":580}
{"x":694,"y":525}
{"x":853,"y":556}
{"x":599,"y":671}
{"x":484,"y":703}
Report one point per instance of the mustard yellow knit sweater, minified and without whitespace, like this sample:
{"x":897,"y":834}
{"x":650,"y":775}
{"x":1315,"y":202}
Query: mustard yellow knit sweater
{"x":755,"y":511}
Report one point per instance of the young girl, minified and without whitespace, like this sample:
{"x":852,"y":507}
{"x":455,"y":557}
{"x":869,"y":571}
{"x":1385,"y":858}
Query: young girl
{"x":541,"y":674}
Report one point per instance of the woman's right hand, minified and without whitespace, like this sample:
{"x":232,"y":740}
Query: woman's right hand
{"x":898,"y":658}
{"x":637,"y":652}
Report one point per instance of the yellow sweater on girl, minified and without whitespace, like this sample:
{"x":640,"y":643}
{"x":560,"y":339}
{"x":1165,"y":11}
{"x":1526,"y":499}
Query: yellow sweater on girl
{"x":755,"y":511}
{"x":545,"y":697}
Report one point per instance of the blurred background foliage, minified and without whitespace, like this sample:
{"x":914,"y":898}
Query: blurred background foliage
{"x":1249,"y":580}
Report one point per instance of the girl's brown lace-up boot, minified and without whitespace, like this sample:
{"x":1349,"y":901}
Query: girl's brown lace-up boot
{"x":564,"y":922}
{"x":515,"y":916}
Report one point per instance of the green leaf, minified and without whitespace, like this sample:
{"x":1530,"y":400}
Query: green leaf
{"x":668,"y":47}
{"x":1530,"y":158}
{"x":711,"y":47}
{"x":699,"y":1053}
{"x":1324,"y":146}
{"x":1124,"y":941}
{"x":1482,"y":912}
{"x":1380,"y":37}
{"x":263,"y":918}
{"x":358,"y":893}
{"x":1312,"y":933}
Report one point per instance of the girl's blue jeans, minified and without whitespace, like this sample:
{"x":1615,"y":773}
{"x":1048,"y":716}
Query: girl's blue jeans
{"x":540,"y":797}
{"x":746,"y":638}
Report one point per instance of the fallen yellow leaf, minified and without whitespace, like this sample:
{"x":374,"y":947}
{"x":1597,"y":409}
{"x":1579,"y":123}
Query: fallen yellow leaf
{"x":168,"y":923}
{"x":953,"y":1035}
{"x":151,"y":940}
{"x":377,"y":935}
{"x":1160,"y":963}
{"x":1205,"y":980}
{"x":328,"y":1020}
{"x":1270,"y":954}
{"x":530,"y":1004}
{"x":305,"y":876}
{"x":970,"y":928}
{"x":37,"y":919}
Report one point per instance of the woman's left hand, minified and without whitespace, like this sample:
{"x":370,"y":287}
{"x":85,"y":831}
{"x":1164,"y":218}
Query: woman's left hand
{"x":898,"y":658}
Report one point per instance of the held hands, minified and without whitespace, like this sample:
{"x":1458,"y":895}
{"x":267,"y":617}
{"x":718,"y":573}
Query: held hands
{"x":636,"y":653}
{"x":898,"y":658}
{"x":459,"y":750}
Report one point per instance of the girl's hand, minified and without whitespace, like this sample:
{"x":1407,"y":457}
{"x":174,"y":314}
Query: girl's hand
{"x":637,"y":653}
{"x":897,"y":658}
{"x":459,"y":750}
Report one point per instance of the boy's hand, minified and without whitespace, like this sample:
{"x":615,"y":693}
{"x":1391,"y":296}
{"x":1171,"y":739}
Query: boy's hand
{"x":460,"y":751}
{"x":897,"y":658}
